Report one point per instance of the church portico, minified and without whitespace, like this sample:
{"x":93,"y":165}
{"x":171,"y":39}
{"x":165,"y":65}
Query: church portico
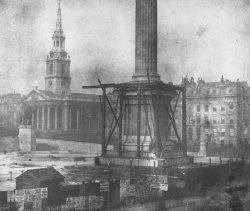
{"x":66,"y":114}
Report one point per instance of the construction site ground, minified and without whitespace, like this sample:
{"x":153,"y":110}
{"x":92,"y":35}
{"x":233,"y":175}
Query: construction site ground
{"x":17,"y":163}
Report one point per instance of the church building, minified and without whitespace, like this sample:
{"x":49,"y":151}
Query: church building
{"x":56,"y":109}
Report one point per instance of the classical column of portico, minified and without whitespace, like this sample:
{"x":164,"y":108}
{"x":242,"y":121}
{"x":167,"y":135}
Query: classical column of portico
{"x":43,"y":118}
{"x":48,"y":119}
{"x":77,"y":119}
{"x":55,"y":118}
{"x":81,"y":120}
{"x":37,"y":119}
{"x":66,"y":117}
{"x":33,"y":119}
{"x":146,"y":42}
{"x":70,"y":118}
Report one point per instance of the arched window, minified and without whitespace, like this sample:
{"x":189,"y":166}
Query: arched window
{"x":61,"y":43}
{"x":51,"y":69}
{"x":57,"y":43}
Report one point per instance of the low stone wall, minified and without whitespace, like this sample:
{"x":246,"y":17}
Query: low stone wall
{"x":228,"y":152}
{"x":78,"y":147}
{"x":144,"y":162}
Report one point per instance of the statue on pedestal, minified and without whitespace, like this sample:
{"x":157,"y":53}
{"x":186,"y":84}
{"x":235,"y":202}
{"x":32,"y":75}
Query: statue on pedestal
{"x":27,"y":116}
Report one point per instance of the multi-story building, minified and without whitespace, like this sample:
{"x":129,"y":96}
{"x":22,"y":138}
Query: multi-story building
{"x":10,"y":109}
{"x":217,"y":112}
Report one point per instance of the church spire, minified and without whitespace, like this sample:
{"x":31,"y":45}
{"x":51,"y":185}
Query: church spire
{"x":59,"y":30}
{"x":57,"y":77}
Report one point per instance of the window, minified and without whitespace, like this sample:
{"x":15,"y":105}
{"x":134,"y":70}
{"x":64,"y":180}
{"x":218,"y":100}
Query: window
{"x":231,"y":131}
{"x":223,"y":120}
{"x":190,"y":133}
{"x":231,"y":143}
{"x":222,"y":143}
{"x":223,"y":108}
{"x":214,"y":109}
{"x":223,"y":133}
{"x":215,"y":132}
{"x":231,"y":107}
{"x":214,"y":121}
{"x":57,"y":43}
{"x":231,"y":120}
{"x":214,"y":142}
{"x":206,"y":130}
{"x":63,"y":92}
{"x":198,"y":132}
{"x":198,"y":108}
{"x":198,"y":120}
{"x":206,"y":120}
{"x":206,"y":108}
{"x":190,"y":120}
{"x":51,"y":69}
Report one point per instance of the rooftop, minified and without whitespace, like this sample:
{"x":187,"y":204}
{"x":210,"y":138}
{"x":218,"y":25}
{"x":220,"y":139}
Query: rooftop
{"x":43,"y":174}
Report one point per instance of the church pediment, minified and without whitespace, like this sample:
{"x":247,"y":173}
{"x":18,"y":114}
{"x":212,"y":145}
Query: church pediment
{"x":35,"y":95}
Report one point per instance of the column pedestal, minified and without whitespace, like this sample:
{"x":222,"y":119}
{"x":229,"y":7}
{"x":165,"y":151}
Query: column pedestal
{"x":203,"y":149}
{"x":27,"y":138}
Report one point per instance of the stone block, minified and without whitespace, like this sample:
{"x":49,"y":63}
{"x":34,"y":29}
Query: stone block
{"x":27,"y":138}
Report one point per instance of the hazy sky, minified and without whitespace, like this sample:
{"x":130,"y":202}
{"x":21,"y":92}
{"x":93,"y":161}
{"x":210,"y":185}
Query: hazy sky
{"x":199,"y":38}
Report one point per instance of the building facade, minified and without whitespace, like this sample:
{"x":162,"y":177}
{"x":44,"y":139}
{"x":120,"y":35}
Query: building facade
{"x":10,"y":109}
{"x":217,"y":113}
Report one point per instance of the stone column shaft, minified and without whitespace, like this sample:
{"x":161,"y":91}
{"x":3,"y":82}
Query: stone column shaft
{"x":146,"y":42}
{"x":33,"y":119}
{"x":66,"y":118}
{"x":55,"y":118}
{"x":37,"y":119}
{"x":78,"y":118}
{"x":43,"y":118}
{"x":70,"y":118}
{"x":48,"y":119}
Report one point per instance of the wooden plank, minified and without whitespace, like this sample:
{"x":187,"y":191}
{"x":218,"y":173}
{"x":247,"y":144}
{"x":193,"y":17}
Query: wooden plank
{"x":120,"y":122}
{"x":103,"y":121}
{"x":155,"y":85}
{"x":184,"y":123}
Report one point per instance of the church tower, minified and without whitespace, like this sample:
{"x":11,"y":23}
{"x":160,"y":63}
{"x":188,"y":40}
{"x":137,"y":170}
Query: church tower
{"x":57,"y":77}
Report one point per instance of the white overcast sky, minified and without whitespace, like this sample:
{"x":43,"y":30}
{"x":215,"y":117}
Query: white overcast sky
{"x":199,"y":38}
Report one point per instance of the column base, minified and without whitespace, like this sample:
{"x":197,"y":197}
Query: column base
{"x":144,"y":77}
